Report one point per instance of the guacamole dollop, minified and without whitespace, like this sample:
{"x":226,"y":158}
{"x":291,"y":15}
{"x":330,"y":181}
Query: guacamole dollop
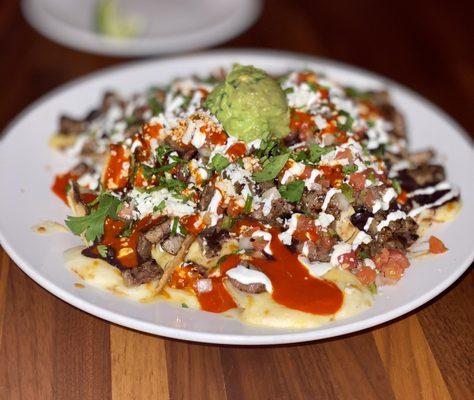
{"x":250,"y":104}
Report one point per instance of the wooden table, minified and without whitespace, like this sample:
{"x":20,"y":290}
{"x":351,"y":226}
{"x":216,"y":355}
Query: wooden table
{"x":49,"y":349}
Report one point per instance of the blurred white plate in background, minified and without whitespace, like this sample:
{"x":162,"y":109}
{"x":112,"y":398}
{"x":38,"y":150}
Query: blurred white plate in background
{"x":169,"y":26}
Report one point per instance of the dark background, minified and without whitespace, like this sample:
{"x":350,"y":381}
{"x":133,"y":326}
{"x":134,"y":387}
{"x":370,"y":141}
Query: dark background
{"x":50,"y":350}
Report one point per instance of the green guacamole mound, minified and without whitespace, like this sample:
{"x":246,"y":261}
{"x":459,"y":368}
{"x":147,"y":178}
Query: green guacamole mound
{"x":250,"y":104}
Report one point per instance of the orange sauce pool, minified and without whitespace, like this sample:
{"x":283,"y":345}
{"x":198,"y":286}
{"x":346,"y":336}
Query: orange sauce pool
{"x":125,"y":248}
{"x":217,"y":300}
{"x":293,"y":286}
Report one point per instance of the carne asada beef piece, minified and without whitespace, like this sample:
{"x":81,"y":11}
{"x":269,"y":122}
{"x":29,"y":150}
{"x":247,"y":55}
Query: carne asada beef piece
{"x":172,"y":244}
{"x":144,"y":248}
{"x":144,"y":273}
{"x":158,"y":232}
{"x":71,"y":126}
{"x":206,"y":197}
{"x":211,"y":240}
{"x":251,"y":288}
{"x":422,"y":176}
{"x":421,"y":157}
{"x":317,"y":251}
{"x":399,"y":234}
{"x":382,"y":101}
{"x":312,"y":201}
{"x":279,"y":208}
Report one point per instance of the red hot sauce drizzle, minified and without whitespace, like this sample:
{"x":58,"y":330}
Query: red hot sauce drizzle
{"x":293,"y":286}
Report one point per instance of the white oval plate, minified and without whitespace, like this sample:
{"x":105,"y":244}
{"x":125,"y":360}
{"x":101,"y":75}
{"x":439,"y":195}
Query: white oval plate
{"x":27,"y":166}
{"x":170,"y":26}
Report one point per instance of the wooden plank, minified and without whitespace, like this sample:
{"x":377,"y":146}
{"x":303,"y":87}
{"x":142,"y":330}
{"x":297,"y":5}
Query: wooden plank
{"x":27,"y":348}
{"x":4,"y":269}
{"x":348,"y":368}
{"x":409,"y":362}
{"x":447,"y":324}
{"x":139,"y":369}
{"x":80,"y":355}
{"x":194,"y":371}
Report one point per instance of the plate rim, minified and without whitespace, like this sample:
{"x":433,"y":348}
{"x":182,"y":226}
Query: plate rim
{"x":219,"y":338}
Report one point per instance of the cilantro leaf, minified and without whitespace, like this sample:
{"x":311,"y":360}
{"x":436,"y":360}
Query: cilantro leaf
{"x":219,"y":162}
{"x":316,"y":152}
{"x":161,"y":152}
{"x":227,"y":222}
{"x":174,"y":226}
{"x":357,"y":94}
{"x":248,"y":204}
{"x":349,"y":169}
{"x":102,"y":249}
{"x":347,"y":124}
{"x":293,"y":191}
{"x":160,"y":206}
{"x":272,"y":168}
{"x":396,"y":185}
{"x":92,"y":225}
{"x":155,"y":106}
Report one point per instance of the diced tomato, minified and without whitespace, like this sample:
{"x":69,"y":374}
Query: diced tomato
{"x":392,"y":272}
{"x":344,"y":154}
{"x":306,"y":229}
{"x":397,"y":257}
{"x":357,"y":180}
{"x":392,"y":263}
{"x":366,"y":275}
{"x":436,"y":245}
{"x":347,"y":260}
{"x":381,"y":258}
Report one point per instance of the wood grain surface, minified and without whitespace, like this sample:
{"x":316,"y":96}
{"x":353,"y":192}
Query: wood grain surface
{"x":50,"y":350}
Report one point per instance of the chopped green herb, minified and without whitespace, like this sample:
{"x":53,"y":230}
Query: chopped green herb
{"x":289,"y":90}
{"x":380,"y":151}
{"x":155,"y":106}
{"x":362,"y":255}
{"x":161,"y":152}
{"x":370,"y":123}
{"x":102,"y":249}
{"x":349,"y":169}
{"x":271,"y":169}
{"x":357,"y":94}
{"x":160,"y":206}
{"x":348,"y":192}
{"x":372,"y":178}
{"x":174,"y":226}
{"x":127,"y":231}
{"x":131,"y":120}
{"x":248,"y":204}
{"x":373,"y":288}
{"x":347,"y":124}
{"x":316,"y":152}
{"x":227,"y":222}
{"x":300,"y":155}
{"x":92,"y":225}
{"x":293,"y":191}
{"x":396,"y":185}
{"x":184,"y":305}
{"x":219,"y":162}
